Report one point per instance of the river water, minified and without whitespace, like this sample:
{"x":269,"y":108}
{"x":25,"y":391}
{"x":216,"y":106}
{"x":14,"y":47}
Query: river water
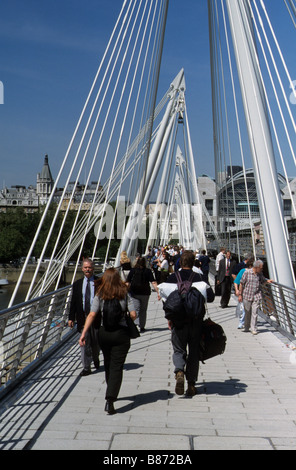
{"x":6,"y":293}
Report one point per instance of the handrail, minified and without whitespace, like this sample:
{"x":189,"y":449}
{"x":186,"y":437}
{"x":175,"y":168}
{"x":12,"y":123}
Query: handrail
{"x":29,"y":330}
{"x":279,"y":303}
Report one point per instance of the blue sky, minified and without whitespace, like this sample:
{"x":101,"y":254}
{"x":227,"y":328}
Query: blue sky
{"x":49,"y":54}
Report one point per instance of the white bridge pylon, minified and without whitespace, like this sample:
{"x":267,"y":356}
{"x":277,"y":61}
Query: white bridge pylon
{"x":182,"y":198}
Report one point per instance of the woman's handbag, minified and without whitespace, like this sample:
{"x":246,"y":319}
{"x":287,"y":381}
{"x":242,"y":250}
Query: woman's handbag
{"x":131,"y":327}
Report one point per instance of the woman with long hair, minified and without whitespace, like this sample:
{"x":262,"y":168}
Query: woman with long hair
{"x":114,"y":342}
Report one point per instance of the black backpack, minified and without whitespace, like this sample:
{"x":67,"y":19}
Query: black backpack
{"x":112,"y":314}
{"x":138,"y":281}
{"x":175,"y":305}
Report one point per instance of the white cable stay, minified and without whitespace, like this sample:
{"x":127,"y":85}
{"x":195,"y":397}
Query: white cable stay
{"x":280,"y":111}
{"x":124,"y":144}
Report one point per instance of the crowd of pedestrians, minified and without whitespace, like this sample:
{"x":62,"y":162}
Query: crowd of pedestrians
{"x":122,"y":295}
{"x":127,"y":289}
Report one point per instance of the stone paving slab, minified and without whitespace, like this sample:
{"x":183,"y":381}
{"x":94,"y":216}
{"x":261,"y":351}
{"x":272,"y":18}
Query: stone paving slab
{"x":245,"y":397}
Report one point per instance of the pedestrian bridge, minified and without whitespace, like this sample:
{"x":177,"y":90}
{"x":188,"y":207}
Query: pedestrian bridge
{"x":245,"y":399}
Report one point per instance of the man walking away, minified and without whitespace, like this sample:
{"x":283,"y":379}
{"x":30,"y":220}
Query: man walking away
{"x":186,"y":336}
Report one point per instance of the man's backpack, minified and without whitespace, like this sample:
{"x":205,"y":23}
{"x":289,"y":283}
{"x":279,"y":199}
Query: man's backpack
{"x":184,"y":303}
{"x":112,"y":314}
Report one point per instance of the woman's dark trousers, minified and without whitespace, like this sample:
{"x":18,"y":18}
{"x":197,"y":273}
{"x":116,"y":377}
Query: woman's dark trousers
{"x":115,"y":346}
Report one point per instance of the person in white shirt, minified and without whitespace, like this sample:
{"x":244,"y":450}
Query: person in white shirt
{"x":220,"y":256}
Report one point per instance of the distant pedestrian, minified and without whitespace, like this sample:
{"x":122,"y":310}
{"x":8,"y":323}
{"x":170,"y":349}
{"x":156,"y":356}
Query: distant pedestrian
{"x":163,"y":266}
{"x":205,"y":264}
{"x":242,"y":265}
{"x":225,"y":279}
{"x":139,"y":280}
{"x":220,"y":256}
{"x":125,"y":265}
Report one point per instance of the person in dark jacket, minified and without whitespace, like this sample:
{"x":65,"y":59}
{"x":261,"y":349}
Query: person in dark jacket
{"x":79,"y":309}
{"x":205,"y":264}
{"x":225,"y":279}
{"x":139,"y":280}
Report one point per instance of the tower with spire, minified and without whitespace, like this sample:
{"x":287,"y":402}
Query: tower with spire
{"x":45,"y":182}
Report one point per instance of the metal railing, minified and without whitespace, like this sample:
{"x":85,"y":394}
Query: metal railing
{"x":30,"y":330}
{"x":279,"y":304}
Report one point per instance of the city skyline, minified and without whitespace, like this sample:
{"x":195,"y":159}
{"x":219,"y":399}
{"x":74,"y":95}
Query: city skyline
{"x":49,"y":54}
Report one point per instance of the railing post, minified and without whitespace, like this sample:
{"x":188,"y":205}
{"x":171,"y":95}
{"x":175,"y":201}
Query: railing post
{"x":286,"y":309}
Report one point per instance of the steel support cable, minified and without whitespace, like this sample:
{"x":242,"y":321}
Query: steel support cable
{"x":220,"y":163}
{"x":150,"y":115}
{"x":279,"y":108}
{"x":252,"y":131}
{"x":80,"y":228}
{"x":153,"y":79}
{"x":69,"y":175}
{"x":72,"y":169}
{"x":123,"y":60}
{"x":221,"y":95}
{"x":284,"y":65}
{"x":238,"y":125}
{"x":248,"y":119}
{"x":136,"y":101}
{"x":151,"y":100}
{"x":228,"y":137}
{"x":98,"y":114}
{"x":146,"y":107}
{"x":214,"y":84}
{"x":293,"y":12}
{"x":79,"y":232}
{"x":61,"y":169}
{"x":150,"y":126}
{"x":127,"y":15}
{"x":102,"y":82}
{"x":114,"y":123}
{"x":128,"y":103}
{"x":243,"y":91}
{"x":278,"y":76}
{"x":140,"y":87}
{"x":278,"y":199}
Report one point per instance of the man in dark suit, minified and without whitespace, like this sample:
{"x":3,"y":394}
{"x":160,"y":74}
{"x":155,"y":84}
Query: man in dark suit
{"x":82,"y":297}
{"x":225,"y":279}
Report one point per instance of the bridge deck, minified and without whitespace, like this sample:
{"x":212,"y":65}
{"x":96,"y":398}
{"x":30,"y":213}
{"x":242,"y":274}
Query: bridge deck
{"x":245,"y":400}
